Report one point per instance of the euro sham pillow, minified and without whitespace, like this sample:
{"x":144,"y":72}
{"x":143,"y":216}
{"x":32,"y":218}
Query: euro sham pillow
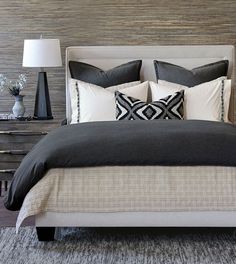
{"x":74,"y":96}
{"x":202,"y":102}
{"x":130,"y":108}
{"x":98,"y":104}
{"x":177,"y":74}
{"x":128,"y":72}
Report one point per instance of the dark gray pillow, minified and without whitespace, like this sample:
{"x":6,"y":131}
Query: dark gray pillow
{"x":128,"y":72}
{"x":177,"y":74}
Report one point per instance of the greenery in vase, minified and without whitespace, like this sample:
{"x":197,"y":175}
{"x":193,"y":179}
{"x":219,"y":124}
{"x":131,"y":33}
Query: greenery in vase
{"x":13,"y":86}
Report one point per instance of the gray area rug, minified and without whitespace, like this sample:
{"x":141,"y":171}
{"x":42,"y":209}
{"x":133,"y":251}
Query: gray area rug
{"x":116,"y":245}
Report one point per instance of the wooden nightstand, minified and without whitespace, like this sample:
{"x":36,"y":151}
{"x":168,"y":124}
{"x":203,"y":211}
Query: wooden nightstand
{"x":16,"y":140}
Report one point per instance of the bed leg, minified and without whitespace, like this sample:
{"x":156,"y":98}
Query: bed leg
{"x":45,"y":233}
{"x":6,"y":186}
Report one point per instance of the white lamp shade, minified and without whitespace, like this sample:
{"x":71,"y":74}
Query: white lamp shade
{"x":42,"y":53}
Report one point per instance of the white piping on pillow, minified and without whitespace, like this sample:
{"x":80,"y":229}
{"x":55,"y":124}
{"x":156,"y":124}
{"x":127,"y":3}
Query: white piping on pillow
{"x":98,"y":104}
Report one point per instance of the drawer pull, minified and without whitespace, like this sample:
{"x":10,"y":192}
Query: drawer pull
{"x":23,"y":133}
{"x":8,"y":171}
{"x":14,"y":152}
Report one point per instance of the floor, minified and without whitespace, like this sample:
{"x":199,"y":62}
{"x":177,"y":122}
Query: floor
{"x":8,"y":218}
{"x":120,"y":246}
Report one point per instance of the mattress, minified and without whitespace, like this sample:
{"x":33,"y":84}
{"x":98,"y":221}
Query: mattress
{"x":132,"y":189}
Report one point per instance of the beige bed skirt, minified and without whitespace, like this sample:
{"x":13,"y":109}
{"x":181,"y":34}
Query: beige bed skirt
{"x":132,"y":189}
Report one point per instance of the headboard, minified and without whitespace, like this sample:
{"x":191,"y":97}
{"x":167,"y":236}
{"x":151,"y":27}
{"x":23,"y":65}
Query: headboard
{"x":107,"y":57}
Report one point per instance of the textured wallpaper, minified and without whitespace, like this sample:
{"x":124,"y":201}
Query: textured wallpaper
{"x":105,"y":22}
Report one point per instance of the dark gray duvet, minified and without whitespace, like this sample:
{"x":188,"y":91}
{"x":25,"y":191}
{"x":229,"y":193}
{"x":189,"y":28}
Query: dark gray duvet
{"x":157,"y":142}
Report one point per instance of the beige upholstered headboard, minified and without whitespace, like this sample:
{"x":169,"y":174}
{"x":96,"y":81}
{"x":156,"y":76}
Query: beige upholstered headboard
{"x":107,"y":57}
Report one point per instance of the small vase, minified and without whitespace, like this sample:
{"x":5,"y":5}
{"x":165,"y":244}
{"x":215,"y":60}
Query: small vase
{"x":18,"y":108}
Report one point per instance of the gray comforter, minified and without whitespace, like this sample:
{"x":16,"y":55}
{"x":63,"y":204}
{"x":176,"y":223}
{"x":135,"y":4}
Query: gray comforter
{"x":158,"y":142}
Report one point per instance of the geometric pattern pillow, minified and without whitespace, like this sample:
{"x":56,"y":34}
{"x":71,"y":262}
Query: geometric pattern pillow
{"x":129,"y":108}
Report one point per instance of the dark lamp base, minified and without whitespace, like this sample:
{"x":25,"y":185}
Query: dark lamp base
{"x":42,"y":108}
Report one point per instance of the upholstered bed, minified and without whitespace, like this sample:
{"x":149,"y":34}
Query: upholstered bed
{"x":160,"y":195}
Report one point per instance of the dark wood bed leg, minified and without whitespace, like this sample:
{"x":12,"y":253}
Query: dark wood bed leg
{"x":45,"y":233}
{"x":6,"y":186}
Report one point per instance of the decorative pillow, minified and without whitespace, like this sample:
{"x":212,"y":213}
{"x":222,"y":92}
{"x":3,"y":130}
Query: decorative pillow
{"x":177,"y":74}
{"x":97,"y":104}
{"x":129,"y":108}
{"x":202,"y":102}
{"x":124,"y":73}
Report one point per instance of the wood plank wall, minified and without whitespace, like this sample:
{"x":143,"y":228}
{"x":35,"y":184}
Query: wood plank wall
{"x":105,"y":22}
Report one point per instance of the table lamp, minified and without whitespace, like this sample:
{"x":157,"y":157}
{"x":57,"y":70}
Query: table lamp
{"x":41,"y":53}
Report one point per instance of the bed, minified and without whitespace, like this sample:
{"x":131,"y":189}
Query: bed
{"x":136,"y":196}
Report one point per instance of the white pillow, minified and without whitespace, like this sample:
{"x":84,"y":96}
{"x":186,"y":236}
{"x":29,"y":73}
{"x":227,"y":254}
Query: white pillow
{"x":97,"y":103}
{"x":74,"y":96}
{"x":200,"y":102}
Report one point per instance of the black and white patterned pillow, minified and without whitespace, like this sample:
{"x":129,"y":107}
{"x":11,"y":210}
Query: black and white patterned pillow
{"x":129,"y":108}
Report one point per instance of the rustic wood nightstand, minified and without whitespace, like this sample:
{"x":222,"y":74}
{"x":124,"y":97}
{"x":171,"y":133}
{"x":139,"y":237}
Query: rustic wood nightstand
{"x":16,"y":140}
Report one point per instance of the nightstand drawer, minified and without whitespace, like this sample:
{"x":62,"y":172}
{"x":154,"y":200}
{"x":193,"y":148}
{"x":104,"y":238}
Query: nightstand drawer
{"x":6,"y":175}
{"x":5,"y":165}
{"x":19,"y":141}
{"x":12,"y":155}
{"x":32,"y":125}
{"x":24,"y":146}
